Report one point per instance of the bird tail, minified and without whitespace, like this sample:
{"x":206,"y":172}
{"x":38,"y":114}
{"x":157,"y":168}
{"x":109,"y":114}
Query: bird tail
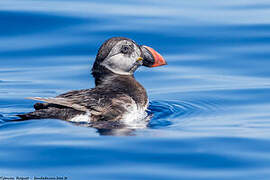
{"x":28,"y":116}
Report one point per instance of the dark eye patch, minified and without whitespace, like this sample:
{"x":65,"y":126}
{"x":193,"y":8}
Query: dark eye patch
{"x":127,"y":49}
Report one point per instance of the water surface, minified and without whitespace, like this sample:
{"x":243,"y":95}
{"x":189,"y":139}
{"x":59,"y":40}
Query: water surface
{"x":210,"y":105}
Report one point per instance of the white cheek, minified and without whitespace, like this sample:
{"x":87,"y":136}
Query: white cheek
{"x":122,"y":61}
{"x":133,"y":55}
{"x":119,"y":64}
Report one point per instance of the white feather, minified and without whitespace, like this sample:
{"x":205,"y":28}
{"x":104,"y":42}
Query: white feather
{"x":82,"y":118}
{"x":136,"y":117}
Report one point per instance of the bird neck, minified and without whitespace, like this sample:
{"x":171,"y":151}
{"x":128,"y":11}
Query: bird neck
{"x":104,"y":76}
{"x":125,"y":84}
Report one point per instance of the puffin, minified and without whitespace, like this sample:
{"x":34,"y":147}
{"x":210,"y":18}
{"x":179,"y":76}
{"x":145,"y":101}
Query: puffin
{"x":117,"y":100}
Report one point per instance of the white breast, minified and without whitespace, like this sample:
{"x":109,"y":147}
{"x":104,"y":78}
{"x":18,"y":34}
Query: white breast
{"x":136,"y":116}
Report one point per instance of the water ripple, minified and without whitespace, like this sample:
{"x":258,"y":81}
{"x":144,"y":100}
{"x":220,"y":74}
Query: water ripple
{"x":164,"y":112}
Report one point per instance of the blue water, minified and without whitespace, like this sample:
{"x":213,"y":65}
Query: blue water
{"x":210,"y":104}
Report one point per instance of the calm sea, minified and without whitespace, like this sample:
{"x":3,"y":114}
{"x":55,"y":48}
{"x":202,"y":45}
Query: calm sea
{"x":211,"y":103}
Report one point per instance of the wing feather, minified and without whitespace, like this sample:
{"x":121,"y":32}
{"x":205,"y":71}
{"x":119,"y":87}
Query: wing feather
{"x":104,"y":104}
{"x":60,"y":101}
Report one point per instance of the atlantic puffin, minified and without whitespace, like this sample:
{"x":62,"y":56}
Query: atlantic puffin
{"x":117,"y":98}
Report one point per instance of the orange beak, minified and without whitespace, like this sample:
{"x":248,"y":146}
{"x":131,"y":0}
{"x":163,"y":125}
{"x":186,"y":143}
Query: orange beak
{"x":158,"y":59}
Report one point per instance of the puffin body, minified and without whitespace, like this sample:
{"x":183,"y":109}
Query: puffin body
{"x":117,"y":99}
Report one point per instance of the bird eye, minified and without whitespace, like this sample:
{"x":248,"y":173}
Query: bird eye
{"x":125,"y":49}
